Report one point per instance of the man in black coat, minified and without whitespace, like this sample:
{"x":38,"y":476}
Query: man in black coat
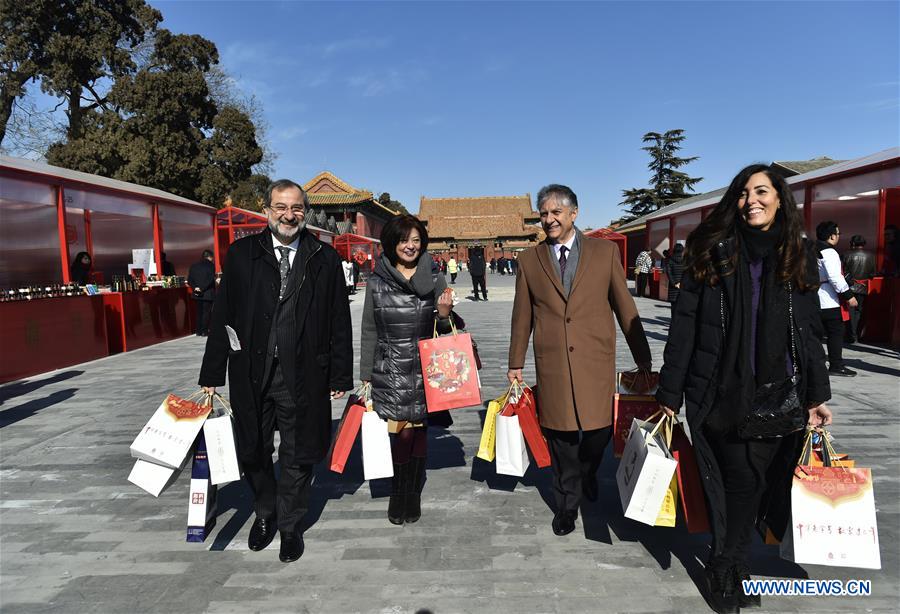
{"x":477,"y":269}
{"x":281,"y":327}
{"x":202,"y":280}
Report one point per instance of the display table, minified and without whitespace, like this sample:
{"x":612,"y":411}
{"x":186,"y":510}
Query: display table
{"x":143,"y":317}
{"x":50,"y":333}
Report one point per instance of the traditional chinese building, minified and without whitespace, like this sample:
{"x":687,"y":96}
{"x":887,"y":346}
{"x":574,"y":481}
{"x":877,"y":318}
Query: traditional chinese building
{"x":340,"y":208}
{"x":503,"y":225}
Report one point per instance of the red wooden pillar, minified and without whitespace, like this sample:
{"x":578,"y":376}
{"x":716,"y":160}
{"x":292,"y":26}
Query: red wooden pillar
{"x":216,"y":242}
{"x":882,"y":222}
{"x":88,"y":237}
{"x":157,"y":240}
{"x":61,"y":230}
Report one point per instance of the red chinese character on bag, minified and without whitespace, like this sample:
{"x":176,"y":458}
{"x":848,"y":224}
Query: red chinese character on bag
{"x":197,"y":498}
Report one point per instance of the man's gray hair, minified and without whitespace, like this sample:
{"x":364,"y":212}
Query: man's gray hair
{"x":282,"y":184}
{"x":560,"y":193}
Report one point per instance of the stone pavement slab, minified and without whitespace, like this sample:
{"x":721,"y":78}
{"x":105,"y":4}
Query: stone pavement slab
{"x":75,"y":536}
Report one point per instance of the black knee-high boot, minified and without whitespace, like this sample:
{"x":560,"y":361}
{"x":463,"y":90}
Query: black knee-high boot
{"x":416,"y":473}
{"x":397,"y":503}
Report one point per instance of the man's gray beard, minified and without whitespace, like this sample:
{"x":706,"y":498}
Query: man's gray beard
{"x":273,"y":228}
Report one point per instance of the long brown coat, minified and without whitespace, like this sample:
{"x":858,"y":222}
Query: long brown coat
{"x":574,"y":336}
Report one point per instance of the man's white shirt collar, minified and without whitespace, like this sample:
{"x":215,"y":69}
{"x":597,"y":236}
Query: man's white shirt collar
{"x":568,"y":245}
{"x":293,"y":245}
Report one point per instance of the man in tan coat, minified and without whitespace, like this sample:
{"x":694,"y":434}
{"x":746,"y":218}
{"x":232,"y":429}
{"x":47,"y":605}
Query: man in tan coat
{"x":567,"y":290}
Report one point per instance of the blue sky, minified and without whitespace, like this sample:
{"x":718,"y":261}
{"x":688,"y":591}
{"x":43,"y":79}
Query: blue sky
{"x":470,"y":99}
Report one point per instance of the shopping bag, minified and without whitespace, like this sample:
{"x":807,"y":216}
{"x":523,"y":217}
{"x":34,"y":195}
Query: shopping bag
{"x":646,"y":469}
{"x":347,"y":429}
{"x":525,"y":407}
{"x":167,"y":437}
{"x":512,"y":456}
{"x":691,"y":497}
{"x":376,"y":447}
{"x":152,"y":477}
{"x":202,"y":502}
{"x":627,"y":407}
{"x":637,"y":382}
{"x":487,"y":445}
{"x":832,"y":517}
{"x":668,"y":511}
{"x":221,"y":450}
{"x":449,"y":370}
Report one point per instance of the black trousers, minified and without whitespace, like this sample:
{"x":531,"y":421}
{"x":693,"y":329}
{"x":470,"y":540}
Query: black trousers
{"x":641,"y":283}
{"x":855,"y":314}
{"x":478,"y":280}
{"x":833,"y":325}
{"x":743,"y":464}
{"x":204,"y":310}
{"x":286,"y":499}
{"x":575,"y":456}
{"x":453,"y":277}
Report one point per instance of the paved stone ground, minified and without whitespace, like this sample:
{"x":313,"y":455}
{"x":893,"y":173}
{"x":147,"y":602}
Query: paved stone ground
{"x":75,"y":536}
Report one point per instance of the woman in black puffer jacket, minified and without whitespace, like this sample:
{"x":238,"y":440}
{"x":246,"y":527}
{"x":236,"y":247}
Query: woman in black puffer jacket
{"x":747,"y":268}
{"x":403,"y":298}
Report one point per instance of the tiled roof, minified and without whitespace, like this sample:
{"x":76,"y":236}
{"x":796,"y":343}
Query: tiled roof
{"x":805,"y":166}
{"x":326,"y":189}
{"x":484,"y":217}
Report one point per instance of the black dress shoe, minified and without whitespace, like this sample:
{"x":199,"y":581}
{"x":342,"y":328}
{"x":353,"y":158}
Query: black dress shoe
{"x":844,"y":371}
{"x":261,"y":533}
{"x":291,"y":547}
{"x":720,"y":590}
{"x":742,"y":573}
{"x":564,"y":522}
{"x":589,"y":489}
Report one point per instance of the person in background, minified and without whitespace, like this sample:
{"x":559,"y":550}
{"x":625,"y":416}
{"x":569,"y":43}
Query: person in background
{"x":290,"y":344}
{"x":202,"y":280}
{"x":477,"y":269}
{"x":80,"y":271}
{"x":501,"y":265}
{"x":453,"y":269}
{"x":832,"y":291}
{"x":859,"y":265}
{"x":168,"y":267}
{"x":347,"y":267}
{"x":746,"y":317}
{"x":493,"y":265}
{"x":642,"y":265}
{"x":403,"y":298}
{"x":568,"y":289}
{"x":674,"y":273}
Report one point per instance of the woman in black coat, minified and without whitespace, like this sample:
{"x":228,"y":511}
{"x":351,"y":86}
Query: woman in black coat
{"x":80,"y":271}
{"x":674,"y":273}
{"x":747,"y":269}
{"x":403,"y":297}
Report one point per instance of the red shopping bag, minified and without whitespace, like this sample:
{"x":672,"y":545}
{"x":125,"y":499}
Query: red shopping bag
{"x":347,"y":430}
{"x":450,"y":371}
{"x":627,"y":407}
{"x":690,"y":487}
{"x":525,"y":408}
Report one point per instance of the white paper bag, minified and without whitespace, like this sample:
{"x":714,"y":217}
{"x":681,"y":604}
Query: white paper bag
{"x":166,"y":439}
{"x":376,"y":447}
{"x":644,"y":473}
{"x":511,"y":453}
{"x":832,"y":518}
{"x":152,"y":477}
{"x":221,"y":450}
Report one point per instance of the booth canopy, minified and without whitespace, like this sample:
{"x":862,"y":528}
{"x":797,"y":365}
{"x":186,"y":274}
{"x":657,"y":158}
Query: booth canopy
{"x":619,"y":239}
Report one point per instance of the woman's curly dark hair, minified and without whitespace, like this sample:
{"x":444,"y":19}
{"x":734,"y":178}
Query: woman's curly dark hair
{"x":722,"y":223}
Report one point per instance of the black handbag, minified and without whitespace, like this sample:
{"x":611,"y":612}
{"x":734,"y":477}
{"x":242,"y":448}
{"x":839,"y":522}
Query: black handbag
{"x":776,"y":409}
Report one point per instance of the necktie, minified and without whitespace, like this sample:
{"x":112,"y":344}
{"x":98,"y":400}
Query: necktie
{"x":284,"y":267}
{"x":562,"y":261}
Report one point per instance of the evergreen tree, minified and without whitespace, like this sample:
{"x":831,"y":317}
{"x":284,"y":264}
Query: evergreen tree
{"x":669,"y":184}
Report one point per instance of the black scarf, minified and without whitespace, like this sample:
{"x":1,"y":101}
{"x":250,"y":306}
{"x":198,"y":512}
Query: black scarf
{"x":738,"y":377}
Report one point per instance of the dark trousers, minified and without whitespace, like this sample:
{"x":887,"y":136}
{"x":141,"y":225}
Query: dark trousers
{"x":641,"y":283}
{"x":286,"y":499}
{"x":204,"y":309}
{"x":453,"y":277}
{"x":743,"y":464}
{"x":478,"y":280}
{"x":855,"y":313}
{"x":833,"y":325}
{"x":575,"y":456}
